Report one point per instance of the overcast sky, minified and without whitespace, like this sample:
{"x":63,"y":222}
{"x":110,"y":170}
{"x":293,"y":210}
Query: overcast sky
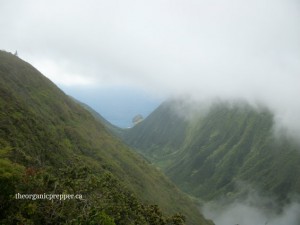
{"x":247,"y":49}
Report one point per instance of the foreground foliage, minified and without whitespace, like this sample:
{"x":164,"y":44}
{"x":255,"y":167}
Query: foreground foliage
{"x":104,"y":199}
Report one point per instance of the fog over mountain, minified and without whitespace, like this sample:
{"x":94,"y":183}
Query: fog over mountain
{"x":228,"y":49}
{"x":254,"y":208}
{"x":243,"y":213}
{"x":206,"y":50}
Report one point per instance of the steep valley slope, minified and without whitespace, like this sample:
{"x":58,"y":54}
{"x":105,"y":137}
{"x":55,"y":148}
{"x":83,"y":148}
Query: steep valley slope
{"x":50,"y":144}
{"x":210,"y":153}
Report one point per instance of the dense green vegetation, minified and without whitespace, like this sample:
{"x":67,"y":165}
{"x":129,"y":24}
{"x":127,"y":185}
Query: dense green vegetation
{"x":212,"y":152}
{"x":110,"y":127}
{"x":50,"y":144}
{"x":160,"y":135}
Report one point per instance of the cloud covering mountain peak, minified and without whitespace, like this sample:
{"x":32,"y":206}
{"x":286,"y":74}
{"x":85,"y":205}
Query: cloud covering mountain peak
{"x":237,"y":49}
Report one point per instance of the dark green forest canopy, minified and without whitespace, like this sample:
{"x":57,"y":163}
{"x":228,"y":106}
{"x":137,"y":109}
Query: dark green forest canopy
{"x":51,"y":144}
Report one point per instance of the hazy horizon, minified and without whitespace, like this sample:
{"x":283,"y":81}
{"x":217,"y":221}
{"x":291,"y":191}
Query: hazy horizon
{"x":118,"y":105}
{"x":124,"y":58}
{"x":239,"y":49}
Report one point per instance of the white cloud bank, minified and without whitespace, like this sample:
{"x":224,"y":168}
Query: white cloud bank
{"x":253,"y":208}
{"x":241,"y":213}
{"x":229,"y":49}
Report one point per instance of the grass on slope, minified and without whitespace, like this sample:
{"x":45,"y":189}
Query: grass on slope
{"x":45,"y":132}
{"x":234,"y":144}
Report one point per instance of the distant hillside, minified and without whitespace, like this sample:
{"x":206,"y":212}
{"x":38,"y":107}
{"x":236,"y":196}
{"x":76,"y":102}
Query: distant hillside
{"x":110,"y":127}
{"x":207,"y":154}
{"x":159,"y":135}
{"x":50,"y":144}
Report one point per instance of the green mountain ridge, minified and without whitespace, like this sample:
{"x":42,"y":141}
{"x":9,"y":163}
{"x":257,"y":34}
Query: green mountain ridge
{"x":207,"y":153}
{"x":110,"y":127}
{"x":152,"y":136}
{"x":51,"y":144}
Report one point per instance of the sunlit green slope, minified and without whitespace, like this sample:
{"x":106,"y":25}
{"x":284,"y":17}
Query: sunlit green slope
{"x":50,"y":144}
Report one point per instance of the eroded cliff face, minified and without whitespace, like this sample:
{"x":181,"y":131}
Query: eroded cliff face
{"x":137,"y":119}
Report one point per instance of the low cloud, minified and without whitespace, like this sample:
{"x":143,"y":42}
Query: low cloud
{"x":253,"y":208}
{"x":242,"y":214}
{"x":239,"y":49}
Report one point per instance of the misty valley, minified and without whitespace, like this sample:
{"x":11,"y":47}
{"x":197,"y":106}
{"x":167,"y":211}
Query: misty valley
{"x":191,"y":161}
{"x":231,"y":156}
